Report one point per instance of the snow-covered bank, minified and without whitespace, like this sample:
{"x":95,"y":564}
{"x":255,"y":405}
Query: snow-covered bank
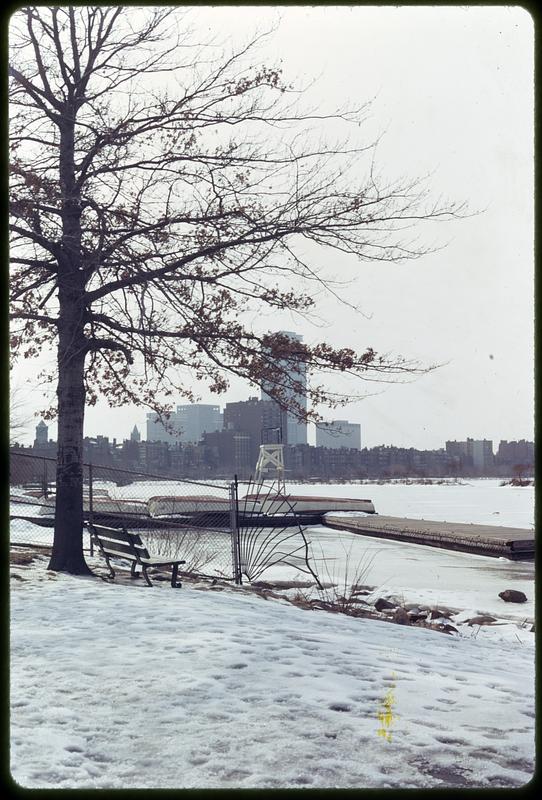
{"x":119,"y":686}
{"x":413,"y":573}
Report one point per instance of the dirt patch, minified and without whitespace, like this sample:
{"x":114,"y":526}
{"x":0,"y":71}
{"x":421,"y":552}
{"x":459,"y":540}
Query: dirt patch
{"x":22,"y":559}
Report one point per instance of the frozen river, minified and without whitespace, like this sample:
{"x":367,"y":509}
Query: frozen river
{"x":422,"y":574}
{"x":482,"y":501}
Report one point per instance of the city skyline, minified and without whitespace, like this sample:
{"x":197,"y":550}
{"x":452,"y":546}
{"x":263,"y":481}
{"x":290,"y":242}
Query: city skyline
{"x":461,"y":110}
{"x":235,"y":450}
{"x":42,"y":436}
{"x":140,"y":418}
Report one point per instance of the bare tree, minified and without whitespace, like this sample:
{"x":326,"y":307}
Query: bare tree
{"x":19,"y":418}
{"x":161,"y":190}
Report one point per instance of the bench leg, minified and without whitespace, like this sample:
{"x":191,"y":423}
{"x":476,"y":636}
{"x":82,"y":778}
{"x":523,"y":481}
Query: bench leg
{"x":174,"y":571}
{"x":133,"y":573}
{"x":111,"y":570}
{"x":144,"y":569}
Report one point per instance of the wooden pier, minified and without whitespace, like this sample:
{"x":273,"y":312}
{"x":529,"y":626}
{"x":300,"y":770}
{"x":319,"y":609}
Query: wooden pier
{"x":487,"y":540}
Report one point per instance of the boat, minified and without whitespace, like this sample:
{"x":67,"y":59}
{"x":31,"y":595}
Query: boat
{"x":284,"y":503}
{"x":101,"y":505}
{"x":181,"y":505}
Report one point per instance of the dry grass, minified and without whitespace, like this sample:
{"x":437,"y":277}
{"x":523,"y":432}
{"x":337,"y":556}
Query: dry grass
{"x":21,"y":558}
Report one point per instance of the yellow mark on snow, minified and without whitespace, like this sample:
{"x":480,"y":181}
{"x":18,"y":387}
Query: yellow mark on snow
{"x":385,"y":716}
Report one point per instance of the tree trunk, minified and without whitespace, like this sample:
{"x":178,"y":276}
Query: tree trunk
{"x":67,"y":555}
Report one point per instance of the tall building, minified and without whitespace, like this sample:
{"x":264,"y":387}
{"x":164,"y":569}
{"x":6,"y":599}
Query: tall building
{"x":338,"y":434}
{"x":228,"y":452}
{"x":260,"y":419}
{"x":294,"y":430}
{"x":482,"y":453}
{"x":475,"y":453}
{"x":42,"y":434}
{"x":156,"y":432}
{"x":135,"y":436}
{"x":520,"y":452}
{"x":187,"y":424}
{"x":195,"y":419}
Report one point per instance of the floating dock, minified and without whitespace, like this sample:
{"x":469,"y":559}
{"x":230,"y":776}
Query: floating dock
{"x":487,"y":540}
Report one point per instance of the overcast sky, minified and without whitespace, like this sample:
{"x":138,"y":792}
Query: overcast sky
{"x":453,"y":96}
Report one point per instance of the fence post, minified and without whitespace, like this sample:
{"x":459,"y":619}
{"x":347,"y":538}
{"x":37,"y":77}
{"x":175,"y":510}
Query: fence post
{"x":90,"y":507}
{"x":234,"y":527}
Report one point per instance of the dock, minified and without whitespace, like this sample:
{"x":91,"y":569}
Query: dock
{"x":487,"y":540}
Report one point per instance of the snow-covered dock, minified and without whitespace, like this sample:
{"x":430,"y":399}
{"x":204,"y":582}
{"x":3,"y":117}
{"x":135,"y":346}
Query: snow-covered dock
{"x":490,"y":540}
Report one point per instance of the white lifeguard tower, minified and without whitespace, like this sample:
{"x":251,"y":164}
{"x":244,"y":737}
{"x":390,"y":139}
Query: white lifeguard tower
{"x":270,"y":464}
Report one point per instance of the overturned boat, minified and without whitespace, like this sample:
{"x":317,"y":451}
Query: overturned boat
{"x":102,"y":505}
{"x":284,"y":503}
{"x":180,"y":505}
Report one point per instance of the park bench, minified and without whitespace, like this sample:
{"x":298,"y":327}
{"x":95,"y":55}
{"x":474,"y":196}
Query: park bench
{"x":120,"y":543}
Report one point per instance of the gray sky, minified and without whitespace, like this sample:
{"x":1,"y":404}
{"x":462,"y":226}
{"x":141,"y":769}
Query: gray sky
{"x":453,"y":95}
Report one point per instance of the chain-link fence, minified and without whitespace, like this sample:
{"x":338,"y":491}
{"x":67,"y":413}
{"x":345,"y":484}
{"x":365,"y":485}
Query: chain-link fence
{"x":177,"y":518}
{"x":32,"y":489}
{"x":227,"y":529}
{"x":270,"y":532}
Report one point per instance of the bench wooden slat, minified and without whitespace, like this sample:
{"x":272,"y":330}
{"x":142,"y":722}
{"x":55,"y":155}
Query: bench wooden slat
{"x":121,"y":534}
{"x":122,"y":549}
{"x":160,"y":562}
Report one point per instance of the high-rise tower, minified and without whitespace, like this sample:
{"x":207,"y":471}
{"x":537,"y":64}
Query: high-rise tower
{"x":296,"y":430}
{"x":42,"y":434}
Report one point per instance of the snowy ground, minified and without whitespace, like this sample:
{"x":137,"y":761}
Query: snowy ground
{"x":125,"y":686}
{"x":121,"y":686}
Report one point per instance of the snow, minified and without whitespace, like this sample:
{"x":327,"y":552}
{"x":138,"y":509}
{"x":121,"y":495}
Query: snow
{"x":115,"y":685}
{"x":409,"y":572}
{"x":121,"y":686}
{"x":427,"y":575}
{"x":483,"y":501}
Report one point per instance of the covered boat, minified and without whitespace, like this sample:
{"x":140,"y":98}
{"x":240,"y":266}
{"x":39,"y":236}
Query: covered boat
{"x":101,"y":505}
{"x":180,"y":505}
{"x":282,"y":504}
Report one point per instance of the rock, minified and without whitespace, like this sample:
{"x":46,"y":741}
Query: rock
{"x":441,"y":612}
{"x":417,"y":615}
{"x":513,"y":596}
{"x":401,"y":617}
{"x":445,"y":628}
{"x":356,"y":612}
{"x":382,"y":603}
{"x":481,"y":620}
